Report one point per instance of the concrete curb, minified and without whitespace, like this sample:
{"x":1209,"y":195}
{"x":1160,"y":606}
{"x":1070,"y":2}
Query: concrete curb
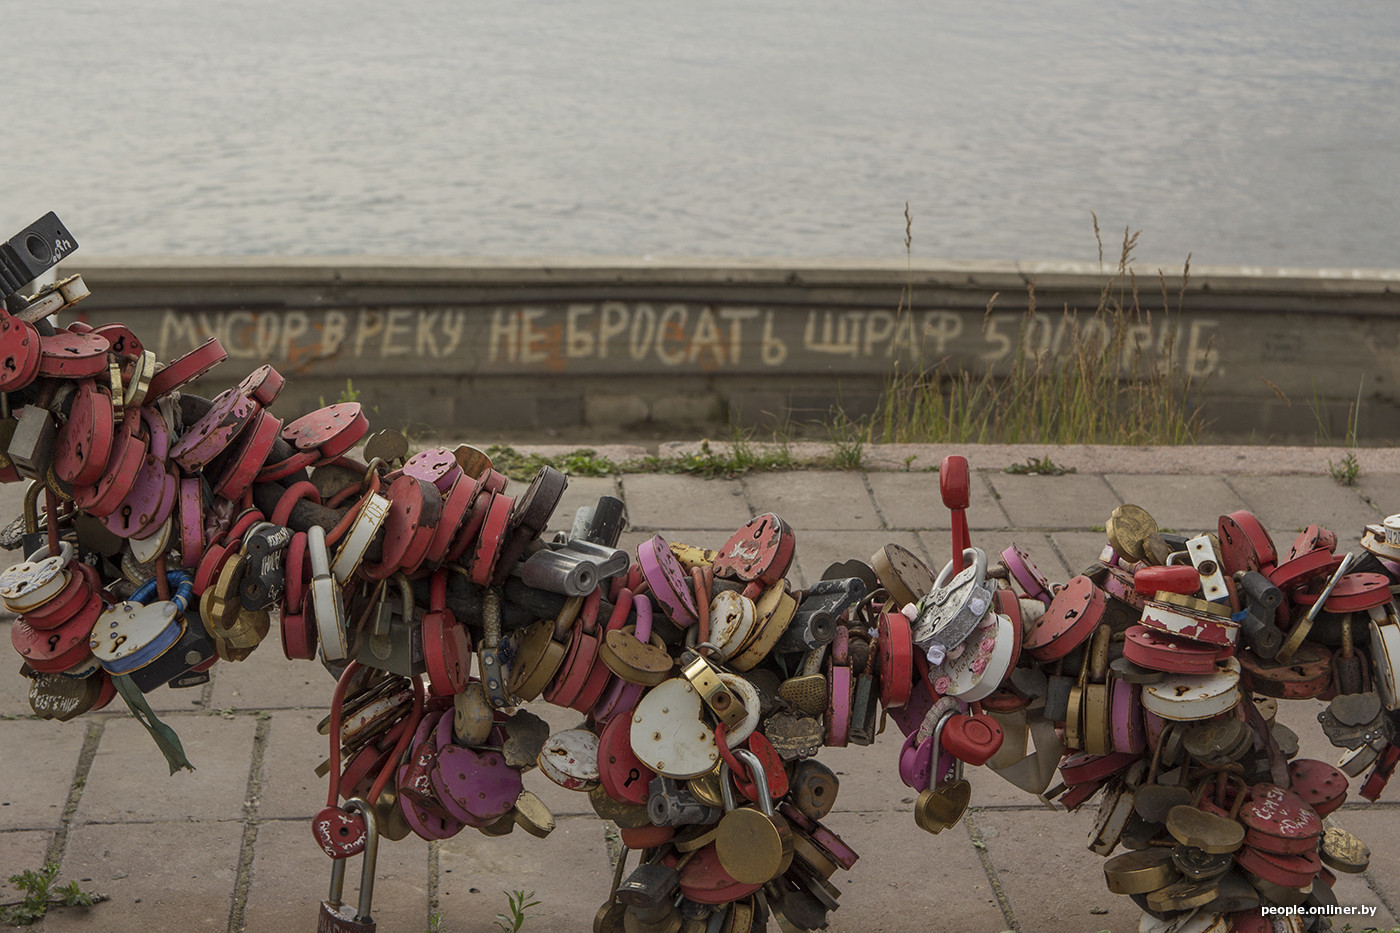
{"x":1083,"y":458}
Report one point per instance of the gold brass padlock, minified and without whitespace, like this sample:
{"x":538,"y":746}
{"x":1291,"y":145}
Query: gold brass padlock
{"x":720,"y":700}
{"x":942,"y":806}
{"x":754,"y":846}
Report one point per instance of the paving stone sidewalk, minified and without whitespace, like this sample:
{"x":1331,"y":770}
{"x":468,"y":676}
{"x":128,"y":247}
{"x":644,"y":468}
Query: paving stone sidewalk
{"x":229,"y":848}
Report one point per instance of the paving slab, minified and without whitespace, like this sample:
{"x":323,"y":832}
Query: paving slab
{"x":20,"y":850}
{"x":1052,"y":881}
{"x":568,"y":872}
{"x":1381,"y":491}
{"x":267,"y":680}
{"x":1379,"y":829}
{"x":37,"y":771}
{"x":1075,"y":500}
{"x":659,"y":501}
{"x":130,"y":781}
{"x":908,"y":881}
{"x":1287,"y":504}
{"x":813,"y":501}
{"x":913,"y":500}
{"x":291,"y":876}
{"x":159,"y":876}
{"x":288,"y":785}
{"x":1188,"y":505}
{"x":1077,"y":549}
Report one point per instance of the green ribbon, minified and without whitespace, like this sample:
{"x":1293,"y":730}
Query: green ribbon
{"x":165,"y":738}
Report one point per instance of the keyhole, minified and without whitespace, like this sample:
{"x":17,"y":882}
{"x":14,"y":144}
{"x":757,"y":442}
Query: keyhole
{"x":632,"y":775}
{"x":53,"y":642}
{"x":10,"y":363}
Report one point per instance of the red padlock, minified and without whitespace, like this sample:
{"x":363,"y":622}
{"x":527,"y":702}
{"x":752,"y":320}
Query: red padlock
{"x":1181,"y":578}
{"x":974,"y":739}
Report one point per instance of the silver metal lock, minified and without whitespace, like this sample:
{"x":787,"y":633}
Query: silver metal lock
{"x":574,"y":568}
{"x":32,"y":445}
{"x":669,"y":804}
{"x":398,"y":647}
{"x":957,"y":602}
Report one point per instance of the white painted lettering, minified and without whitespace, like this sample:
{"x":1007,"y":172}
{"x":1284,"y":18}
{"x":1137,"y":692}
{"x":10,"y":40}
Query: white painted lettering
{"x":578,"y":337}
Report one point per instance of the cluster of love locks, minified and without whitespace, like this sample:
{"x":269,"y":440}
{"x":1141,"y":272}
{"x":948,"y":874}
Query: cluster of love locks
{"x":165,"y":532}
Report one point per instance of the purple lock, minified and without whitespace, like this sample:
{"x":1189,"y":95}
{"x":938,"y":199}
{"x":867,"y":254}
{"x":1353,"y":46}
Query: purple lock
{"x":436,"y":465}
{"x":211,"y":435}
{"x":476,"y":787}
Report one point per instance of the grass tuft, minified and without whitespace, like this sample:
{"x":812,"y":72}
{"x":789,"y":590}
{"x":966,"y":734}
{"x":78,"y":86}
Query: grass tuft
{"x":1075,"y":378}
{"x":1040,"y":466}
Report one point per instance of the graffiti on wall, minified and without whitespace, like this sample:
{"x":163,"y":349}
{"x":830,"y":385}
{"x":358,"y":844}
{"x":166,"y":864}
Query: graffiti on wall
{"x":645,"y":336}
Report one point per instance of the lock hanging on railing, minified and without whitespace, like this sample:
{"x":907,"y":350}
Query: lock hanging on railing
{"x":337,"y":916}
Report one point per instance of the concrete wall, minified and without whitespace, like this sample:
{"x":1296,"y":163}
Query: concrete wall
{"x":462,"y":345}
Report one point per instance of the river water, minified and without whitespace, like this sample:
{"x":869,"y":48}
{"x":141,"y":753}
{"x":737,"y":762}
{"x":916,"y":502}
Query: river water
{"x":1241,"y":131}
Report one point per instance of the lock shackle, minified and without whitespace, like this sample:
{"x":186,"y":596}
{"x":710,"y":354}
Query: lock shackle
{"x":367,"y":867}
{"x":406,"y":593}
{"x":31,"y":506}
{"x":183,"y":583}
{"x":64,"y":554}
{"x":759,"y":780}
{"x":943,"y":720}
{"x":979,"y":564}
{"x":337,"y":709}
{"x":702,"y":606}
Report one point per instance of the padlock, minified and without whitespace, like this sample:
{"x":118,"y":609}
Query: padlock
{"x":753,"y":846}
{"x":865,"y":710}
{"x":1262,"y":599}
{"x":398,"y":649}
{"x":31,"y":447}
{"x":1355,"y":720}
{"x":1212,"y":829}
{"x":713,"y":691}
{"x":818,"y":613}
{"x":325,"y":598}
{"x":942,"y":806}
{"x":192,"y":650}
{"x":973,"y":738}
{"x":608,"y":520}
{"x":669,"y":804}
{"x":561,"y":571}
{"x":651,"y":884}
{"x":814,"y":788}
{"x":265,"y":549}
{"x":337,"y":916}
